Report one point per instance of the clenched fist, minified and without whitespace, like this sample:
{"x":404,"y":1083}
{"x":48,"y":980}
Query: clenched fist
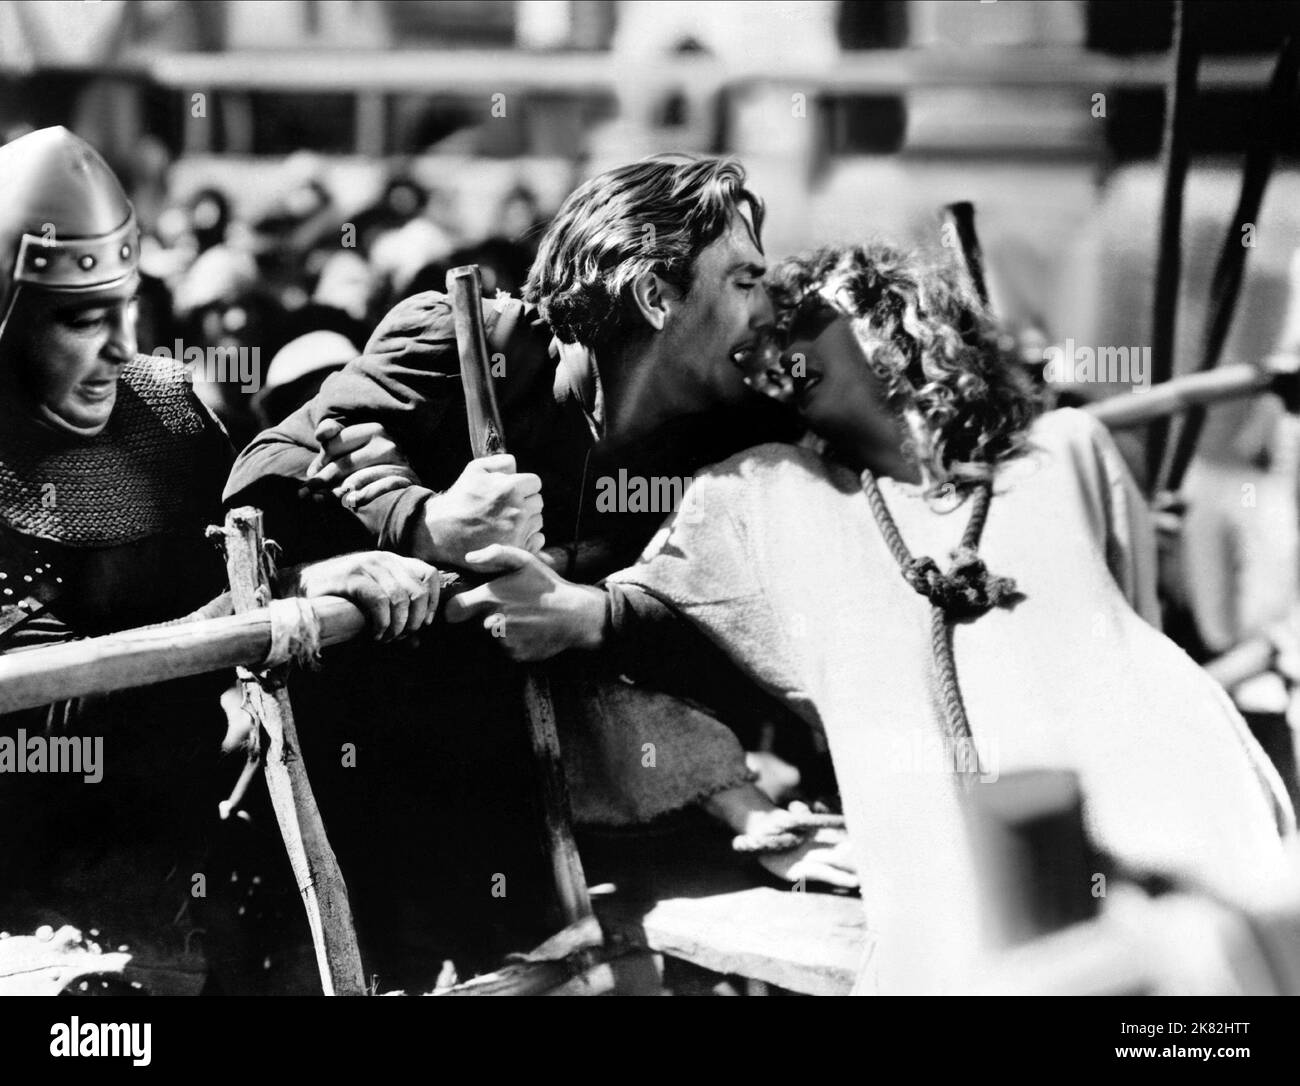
{"x":490,"y":503}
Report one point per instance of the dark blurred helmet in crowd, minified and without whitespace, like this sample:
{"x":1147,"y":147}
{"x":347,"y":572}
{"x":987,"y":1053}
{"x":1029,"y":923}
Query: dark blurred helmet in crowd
{"x":403,"y":199}
{"x":224,"y":310}
{"x":66,"y":224}
{"x":303,"y":198}
{"x":519,"y":218}
{"x":209,"y":218}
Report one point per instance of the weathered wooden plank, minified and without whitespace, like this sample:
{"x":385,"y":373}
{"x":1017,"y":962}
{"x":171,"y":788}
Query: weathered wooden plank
{"x":315,"y":868}
{"x":810,"y":943}
{"x":130,"y":658}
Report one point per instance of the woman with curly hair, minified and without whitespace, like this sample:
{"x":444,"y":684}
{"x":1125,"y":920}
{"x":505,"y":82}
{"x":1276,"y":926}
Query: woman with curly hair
{"x":852,"y":581}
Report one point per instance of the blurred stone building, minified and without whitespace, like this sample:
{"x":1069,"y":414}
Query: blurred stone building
{"x":854,"y":116}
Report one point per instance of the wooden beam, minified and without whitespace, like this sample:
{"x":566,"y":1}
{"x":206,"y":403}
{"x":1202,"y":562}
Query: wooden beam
{"x":1175,"y":151}
{"x":1132,"y":409}
{"x":320,"y":881}
{"x":153,"y":654}
{"x":1226,"y":284}
{"x":470,"y":73}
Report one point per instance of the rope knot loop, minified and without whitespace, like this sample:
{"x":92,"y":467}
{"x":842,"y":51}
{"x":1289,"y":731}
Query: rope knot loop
{"x":967,"y":590}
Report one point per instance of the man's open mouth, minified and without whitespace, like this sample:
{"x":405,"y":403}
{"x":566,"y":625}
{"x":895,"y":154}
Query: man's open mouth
{"x":803,"y":385}
{"x":97,"y":390}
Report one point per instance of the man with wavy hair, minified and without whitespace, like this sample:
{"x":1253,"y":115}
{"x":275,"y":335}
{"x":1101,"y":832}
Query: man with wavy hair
{"x":623,"y":362}
{"x":646,"y":287}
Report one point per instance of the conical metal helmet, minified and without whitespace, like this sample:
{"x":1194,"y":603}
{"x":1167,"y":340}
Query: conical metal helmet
{"x":65,"y":222}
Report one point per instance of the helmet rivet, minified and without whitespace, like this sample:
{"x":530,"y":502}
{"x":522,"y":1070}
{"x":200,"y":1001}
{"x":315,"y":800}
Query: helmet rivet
{"x":126,"y":252}
{"x":86,"y":262}
{"x":40,"y":262}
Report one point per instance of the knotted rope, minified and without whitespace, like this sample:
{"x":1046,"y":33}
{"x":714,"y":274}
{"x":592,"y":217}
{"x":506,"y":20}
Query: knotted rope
{"x":966,"y":591}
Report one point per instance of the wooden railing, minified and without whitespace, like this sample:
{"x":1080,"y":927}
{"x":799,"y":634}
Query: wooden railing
{"x":254,"y":640}
{"x":119,"y":661}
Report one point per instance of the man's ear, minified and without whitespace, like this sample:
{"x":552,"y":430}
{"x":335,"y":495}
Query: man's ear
{"x":654,"y":299}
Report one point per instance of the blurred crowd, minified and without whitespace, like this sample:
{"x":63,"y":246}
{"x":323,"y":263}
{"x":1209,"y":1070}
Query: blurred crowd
{"x":295,"y":289}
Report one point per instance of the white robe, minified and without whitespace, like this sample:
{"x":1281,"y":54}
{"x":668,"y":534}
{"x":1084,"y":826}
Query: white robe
{"x":775,"y":554}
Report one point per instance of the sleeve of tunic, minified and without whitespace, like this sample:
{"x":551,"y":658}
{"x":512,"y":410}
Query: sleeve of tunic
{"x":1124,"y":523}
{"x":408,"y":380}
{"x":1131,"y":541}
{"x":700,"y":566}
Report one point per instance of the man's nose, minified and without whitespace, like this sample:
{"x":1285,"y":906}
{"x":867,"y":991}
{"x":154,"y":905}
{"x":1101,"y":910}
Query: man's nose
{"x":762,"y":312}
{"x":121,"y":345}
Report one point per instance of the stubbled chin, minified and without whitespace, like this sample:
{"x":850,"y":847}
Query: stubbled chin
{"x":806,"y":405}
{"x":84,"y":423}
{"x":816,"y":420}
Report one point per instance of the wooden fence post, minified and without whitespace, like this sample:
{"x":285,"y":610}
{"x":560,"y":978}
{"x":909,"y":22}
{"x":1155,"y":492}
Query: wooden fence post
{"x":320,"y":881}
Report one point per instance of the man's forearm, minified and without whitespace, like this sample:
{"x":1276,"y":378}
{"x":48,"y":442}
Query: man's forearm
{"x":398,"y":522}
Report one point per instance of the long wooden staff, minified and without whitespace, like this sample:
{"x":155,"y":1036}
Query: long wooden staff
{"x":487,"y":437}
{"x":1228,"y":272}
{"x":1174,"y":153}
{"x":960,"y":217}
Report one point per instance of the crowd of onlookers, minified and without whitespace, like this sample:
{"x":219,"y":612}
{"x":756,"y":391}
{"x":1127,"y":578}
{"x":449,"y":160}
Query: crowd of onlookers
{"x":294,"y":291}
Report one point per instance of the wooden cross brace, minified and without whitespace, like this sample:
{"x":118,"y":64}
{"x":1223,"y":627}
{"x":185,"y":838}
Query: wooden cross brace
{"x":315,"y":868}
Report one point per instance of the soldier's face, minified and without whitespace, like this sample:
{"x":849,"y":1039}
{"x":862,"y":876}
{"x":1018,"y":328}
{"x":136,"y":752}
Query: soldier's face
{"x":70,"y":350}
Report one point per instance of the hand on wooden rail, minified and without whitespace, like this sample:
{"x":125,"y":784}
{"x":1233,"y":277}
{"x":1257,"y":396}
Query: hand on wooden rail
{"x":398,"y":595}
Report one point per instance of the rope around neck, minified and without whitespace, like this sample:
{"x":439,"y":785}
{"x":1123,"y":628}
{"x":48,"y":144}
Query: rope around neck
{"x":966,"y":591}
